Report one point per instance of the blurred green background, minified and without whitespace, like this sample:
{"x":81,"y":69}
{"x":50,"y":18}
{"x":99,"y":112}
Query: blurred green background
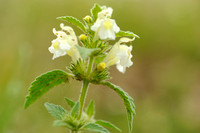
{"x":164,"y":80}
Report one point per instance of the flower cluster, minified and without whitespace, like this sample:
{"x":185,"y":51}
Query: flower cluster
{"x":92,"y":54}
{"x":100,"y":31}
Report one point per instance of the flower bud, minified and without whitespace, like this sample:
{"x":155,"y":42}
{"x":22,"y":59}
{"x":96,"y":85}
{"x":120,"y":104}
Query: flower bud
{"x":88,"y":19}
{"x":83,"y":37}
{"x":101,"y":66}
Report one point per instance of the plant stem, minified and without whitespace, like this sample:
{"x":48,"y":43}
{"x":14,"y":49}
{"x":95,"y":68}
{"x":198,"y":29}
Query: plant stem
{"x":83,"y":95}
{"x":90,"y":65}
{"x":85,"y":87}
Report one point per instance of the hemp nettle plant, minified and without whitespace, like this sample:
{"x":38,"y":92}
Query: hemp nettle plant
{"x":91,"y":58}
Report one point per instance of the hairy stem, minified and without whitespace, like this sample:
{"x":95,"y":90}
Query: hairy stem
{"x":90,"y":65}
{"x":83,"y":95}
{"x":85,"y":87}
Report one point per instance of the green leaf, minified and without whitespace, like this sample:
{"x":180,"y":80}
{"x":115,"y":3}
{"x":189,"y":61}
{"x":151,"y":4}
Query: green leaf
{"x":75,"y":110}
{"x":70,"y":102}
{"x":44,"y":83}
{"x":85,"y":52}
{"x":128,"y":102}
{"x":107,"y":124}
{"x":95,"y":10}
{"x":56,"y":111}
{"x":61,"y":123}
{"x":126,"y":33}
{"x":95,"y":127}
{"x":73,"y":21}
{"x":90,"y":109}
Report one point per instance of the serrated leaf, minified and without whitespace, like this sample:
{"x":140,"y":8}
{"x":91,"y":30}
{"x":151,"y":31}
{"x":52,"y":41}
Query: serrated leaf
{"x":56,"y":111}
{"x":128,"y":102}
{"x":95,"y":127}
{"x":107,"y":124}
{"x":70,"y":102}
{"x":73,"y":21}
{"x":75,"y":110}
{"x":126,"y":33}
{"x":90,"y":109}
{"x":85,"y":52}
{"x":43,"y":83}
{"x":95,"y":10}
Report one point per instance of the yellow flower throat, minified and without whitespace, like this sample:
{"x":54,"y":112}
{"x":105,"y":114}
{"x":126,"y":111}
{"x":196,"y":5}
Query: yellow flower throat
{"x":108,"y":25}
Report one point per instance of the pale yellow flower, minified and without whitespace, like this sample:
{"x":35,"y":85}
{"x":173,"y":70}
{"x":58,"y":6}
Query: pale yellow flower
{"x":120,"y":55}
{"x":65,"y":43}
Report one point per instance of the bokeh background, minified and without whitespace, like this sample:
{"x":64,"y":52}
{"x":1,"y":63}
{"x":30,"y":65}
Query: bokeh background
{"x":164,"y":80}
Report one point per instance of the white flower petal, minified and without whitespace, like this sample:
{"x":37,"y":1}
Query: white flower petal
{"x":106,"y":34}
{"x":106,"y":12}
{"x":105,"y":28}
{"x":125,"y":40}
{"x":96,"y":25}
{"x":65,"y":46}
{"x":115,"y":27}
{"x":121,"y":68}
{"x":120,"y":55}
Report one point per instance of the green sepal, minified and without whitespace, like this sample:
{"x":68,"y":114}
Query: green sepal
{"x":128,"y":102}
{"x":107,"y":124}
{"x":73,"y":21}
{"x":95,"y":10}
{"x":79,"y":69}
{"x":70,"y":102}
{"x":90,"y":109}
{"x":99,"y":76}
{"x":75,"y":110}
{"x":85,"y":52}
{"x":95,"y":128}
{"x":56,"y":111}
{"x":126,"y":34}
{"x":43,"y":83}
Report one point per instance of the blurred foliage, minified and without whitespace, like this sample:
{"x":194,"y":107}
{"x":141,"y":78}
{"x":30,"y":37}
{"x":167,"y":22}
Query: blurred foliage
{"x":164,"y":80}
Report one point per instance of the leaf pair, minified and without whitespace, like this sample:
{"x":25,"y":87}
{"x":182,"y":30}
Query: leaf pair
{"x":69,"y":120}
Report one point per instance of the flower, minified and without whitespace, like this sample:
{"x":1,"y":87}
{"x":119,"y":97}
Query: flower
{"x":64,"y":43}
{"x":120,"y":55}
{"x":59,"y":48}
{"x":105,"y":27}
{"x":105,"y":13}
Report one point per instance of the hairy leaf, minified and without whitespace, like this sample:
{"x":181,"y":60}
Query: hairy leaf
{"x":95,"y":127}
{"x":75,"y":110}
{"x":107,"y":124}
{"x":126,"y":33}
{"x":59,"y":123}
{"x":85,"y":52}
{"x":128,"y":101}
{"x":73,"y":21}
{"x":43,"y":83}
{"x":56,"y":111}
{"x":70,"y":102}
{"x":95,"y":10}
{"x":90,"y":109}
